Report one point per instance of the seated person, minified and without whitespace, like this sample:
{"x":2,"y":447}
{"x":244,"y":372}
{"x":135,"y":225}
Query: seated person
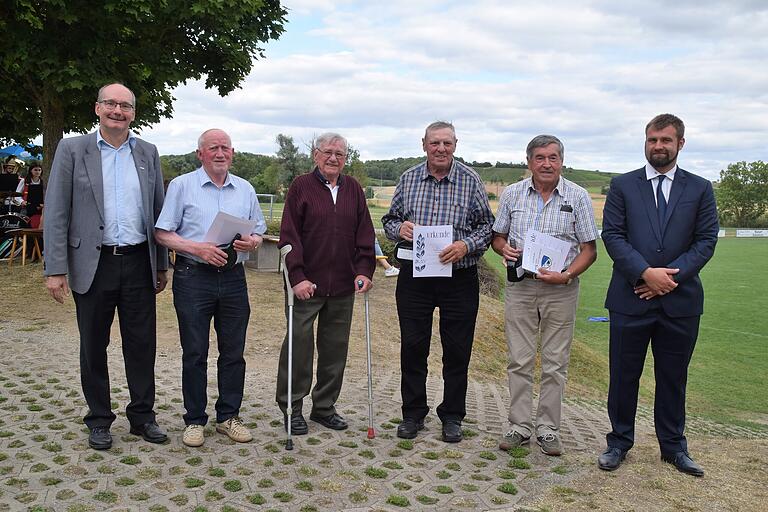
{"x":389,"y":270}
{"x":11,"y":166}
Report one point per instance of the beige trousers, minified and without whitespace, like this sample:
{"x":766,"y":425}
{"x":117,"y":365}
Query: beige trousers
{"x":538,"y":314}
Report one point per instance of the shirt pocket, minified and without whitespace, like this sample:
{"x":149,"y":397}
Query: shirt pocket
{"x":457,"y":214}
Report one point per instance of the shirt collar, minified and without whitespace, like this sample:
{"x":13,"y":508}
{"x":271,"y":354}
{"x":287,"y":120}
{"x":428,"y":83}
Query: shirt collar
{"x":651,"y":173}
{"x":323,"y":180}
{"x":100,"y":142}
{"x":203,"y":178}
{"x":451,"y":176}
{"x":560,"y":187}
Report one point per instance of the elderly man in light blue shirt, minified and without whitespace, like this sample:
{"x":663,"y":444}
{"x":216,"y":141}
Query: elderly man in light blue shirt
{"x":205,"y":287}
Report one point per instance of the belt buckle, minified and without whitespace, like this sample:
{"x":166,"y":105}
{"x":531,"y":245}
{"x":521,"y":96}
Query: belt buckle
{"x":115,"y":251}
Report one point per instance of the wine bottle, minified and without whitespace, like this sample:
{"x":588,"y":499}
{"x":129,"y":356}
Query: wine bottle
{"x":515,"y":270}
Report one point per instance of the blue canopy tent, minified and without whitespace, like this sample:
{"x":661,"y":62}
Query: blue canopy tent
{"x":24,"y":153}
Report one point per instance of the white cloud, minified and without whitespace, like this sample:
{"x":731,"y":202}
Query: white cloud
{"x":592,"y":74}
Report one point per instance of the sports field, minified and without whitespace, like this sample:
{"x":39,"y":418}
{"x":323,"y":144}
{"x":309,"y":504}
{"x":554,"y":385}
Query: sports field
{"x":728,"y":375}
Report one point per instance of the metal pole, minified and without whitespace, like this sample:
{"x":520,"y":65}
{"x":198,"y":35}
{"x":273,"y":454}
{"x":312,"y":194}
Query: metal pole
{"x":284,"y":250}
{"x":371,"y":430}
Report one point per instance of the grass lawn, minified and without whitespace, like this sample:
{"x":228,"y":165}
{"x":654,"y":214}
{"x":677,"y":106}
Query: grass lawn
{"x":377,"y":212}
{"x":729,"y":370}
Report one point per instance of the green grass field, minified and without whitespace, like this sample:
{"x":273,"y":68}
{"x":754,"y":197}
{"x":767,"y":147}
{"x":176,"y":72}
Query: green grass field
{"x":729,"y":370}
{"x":377,"y":212}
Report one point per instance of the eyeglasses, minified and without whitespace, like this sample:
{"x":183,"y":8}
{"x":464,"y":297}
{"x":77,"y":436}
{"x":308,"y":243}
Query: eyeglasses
{"x":112,"y":105}
{"x":338,"y":154}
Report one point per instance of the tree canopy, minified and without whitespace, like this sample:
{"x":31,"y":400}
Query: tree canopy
{"x":57,"y":54}
{"x":742,"y":194}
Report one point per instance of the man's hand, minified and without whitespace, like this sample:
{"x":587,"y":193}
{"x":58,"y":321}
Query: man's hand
{"x":57,"y":287}
{"x":406,"y":230}
{"x":304,"y":290}
{"x":551,"y":277}
{"x":162,"y":281}
{"x":367,"y":284}
{"x":658,"y":281}
{"x":453,"y":252}
{"x":509,"y":253}
{"x":248,"y":243}
{"x":211,"y":254}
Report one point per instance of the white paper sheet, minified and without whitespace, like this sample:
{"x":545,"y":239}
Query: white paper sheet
{"x":544,"y":251}
{"x":226,"y":226}
{"x":428,"y":243}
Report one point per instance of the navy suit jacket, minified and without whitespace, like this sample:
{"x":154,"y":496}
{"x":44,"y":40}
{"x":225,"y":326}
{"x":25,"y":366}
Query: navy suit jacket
{"x":635,"y":240}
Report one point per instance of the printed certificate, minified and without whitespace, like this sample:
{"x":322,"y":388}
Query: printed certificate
{"x":428,"y":243}
{"x":544,"y":251}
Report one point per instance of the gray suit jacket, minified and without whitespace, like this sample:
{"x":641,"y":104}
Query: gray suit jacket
{"x":74,"y":209}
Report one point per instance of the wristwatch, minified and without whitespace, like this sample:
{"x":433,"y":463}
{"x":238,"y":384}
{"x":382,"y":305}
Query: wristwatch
{"x":570,"y":279}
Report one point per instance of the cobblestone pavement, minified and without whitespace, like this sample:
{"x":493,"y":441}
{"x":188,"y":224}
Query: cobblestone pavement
{"x":45,"y":462}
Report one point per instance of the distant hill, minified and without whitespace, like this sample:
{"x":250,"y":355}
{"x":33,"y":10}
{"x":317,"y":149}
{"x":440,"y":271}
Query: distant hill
{"x":588,"y":179}
{"x":385,"y":172}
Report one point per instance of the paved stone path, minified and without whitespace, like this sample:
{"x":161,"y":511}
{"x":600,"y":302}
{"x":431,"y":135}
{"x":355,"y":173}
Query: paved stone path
{"x":45,"y":462}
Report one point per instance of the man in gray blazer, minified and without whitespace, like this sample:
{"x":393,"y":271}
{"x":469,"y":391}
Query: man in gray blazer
{"x":104,"y":195}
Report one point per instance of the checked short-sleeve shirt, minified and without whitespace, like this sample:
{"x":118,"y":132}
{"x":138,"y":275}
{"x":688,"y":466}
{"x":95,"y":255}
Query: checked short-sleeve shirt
{"x":567,"y":215}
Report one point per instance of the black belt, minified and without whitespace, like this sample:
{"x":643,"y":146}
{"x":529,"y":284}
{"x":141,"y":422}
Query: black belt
{"x":183,"y":260}
{"x":122,"y":250}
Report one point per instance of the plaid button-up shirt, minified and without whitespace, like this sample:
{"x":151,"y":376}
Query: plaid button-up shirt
{"x":567,"y":215}
{"x":458,"y":199}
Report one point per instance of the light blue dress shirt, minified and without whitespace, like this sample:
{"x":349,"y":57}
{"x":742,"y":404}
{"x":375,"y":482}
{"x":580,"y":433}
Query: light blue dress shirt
{"x":193,"y":201}
{"x":123,"y":207}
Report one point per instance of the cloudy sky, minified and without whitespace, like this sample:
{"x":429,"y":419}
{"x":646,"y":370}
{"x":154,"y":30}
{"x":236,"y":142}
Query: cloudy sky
{"x":591,"y":72}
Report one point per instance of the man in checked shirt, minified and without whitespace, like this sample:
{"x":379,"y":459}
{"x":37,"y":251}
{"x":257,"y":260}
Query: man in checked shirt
{"x":436,"y":192}
{"x":542,"y":304}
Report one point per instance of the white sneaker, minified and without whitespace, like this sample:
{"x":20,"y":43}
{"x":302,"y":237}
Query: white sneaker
{"x":391,"y":272}
{"x":193,"y":436}
{"x":235,"y":430}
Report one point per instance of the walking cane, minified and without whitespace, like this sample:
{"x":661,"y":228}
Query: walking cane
{"x":371,"y":431}
{"x":284,"y":250}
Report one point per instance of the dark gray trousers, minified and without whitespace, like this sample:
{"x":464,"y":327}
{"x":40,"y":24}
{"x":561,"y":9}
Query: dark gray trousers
{"x":334,"y":317}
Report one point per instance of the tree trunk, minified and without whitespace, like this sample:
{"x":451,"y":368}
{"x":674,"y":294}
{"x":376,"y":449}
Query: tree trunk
{"x":53,"y":131}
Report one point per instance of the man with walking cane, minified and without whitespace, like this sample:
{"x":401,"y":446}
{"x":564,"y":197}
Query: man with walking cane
{"x":327,"y":224}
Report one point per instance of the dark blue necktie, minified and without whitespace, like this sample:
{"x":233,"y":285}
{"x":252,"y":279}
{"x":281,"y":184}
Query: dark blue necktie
{"x":661,"y":203}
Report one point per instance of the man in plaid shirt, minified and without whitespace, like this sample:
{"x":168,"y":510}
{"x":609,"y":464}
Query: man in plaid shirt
{"x":542,"y":304}
{"x":436,"y":192}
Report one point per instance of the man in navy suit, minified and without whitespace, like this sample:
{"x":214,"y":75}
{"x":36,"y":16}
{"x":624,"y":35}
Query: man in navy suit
{"x":660,"y":228}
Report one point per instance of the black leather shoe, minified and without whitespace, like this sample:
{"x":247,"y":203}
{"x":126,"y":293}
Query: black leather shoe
{"x":150,"y":431}
{"x":409,"y":428}
{"x":298,"y":424}
{"x":611,"y":459}
{"x":334,"y":421}
{"x":452,"y":431}
{"x":100,"y":438}
{"x":683,"y":462}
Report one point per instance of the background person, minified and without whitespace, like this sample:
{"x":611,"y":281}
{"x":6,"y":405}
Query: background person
{"x":34,"y":193}
{"x":543,"y":305}
{"x":327,"y":223}
{"x":436,"y":192}
{"x":12,"y":165}
{"x":660,"y":229}
{"x":204,"y":288}
{"x":104,"y":194}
